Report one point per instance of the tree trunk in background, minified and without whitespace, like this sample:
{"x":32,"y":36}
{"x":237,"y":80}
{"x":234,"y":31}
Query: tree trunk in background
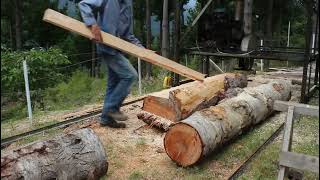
{"x":268,"y":31}
{"x":160,"y":37}
{"x":11,"y":33}
{"x":247,"y":17}
{"x":165,"y":30}
{"x":149,"y":38}
{"x":93,"y":56}
{"x":308,"y":38}
{"x":189,"y":140}
{"x":176,"y":78}
{"x":18,"y":10}
{"x":75,"y":155}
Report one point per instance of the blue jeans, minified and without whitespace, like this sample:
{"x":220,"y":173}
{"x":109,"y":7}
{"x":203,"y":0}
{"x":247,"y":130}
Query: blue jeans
{"x":121,"y":75}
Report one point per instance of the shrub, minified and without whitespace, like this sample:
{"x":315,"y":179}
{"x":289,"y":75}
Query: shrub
{"x":42,"y":67}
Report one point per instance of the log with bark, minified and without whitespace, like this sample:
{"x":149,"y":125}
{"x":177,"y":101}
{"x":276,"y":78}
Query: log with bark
{"x":189,"y":140}
{"x":154,"y":120}
{"x":76,"y":155}
{"x":180,"y":102}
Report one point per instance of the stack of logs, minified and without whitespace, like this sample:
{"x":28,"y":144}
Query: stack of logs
{"x":189,"y":140}
{"x":195,"y":126}
{"x":163,"y":108}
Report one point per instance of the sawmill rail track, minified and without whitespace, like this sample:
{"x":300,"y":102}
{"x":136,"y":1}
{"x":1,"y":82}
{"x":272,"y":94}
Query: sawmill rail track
{"x":238,"y":172}
{"x":7,"y":141}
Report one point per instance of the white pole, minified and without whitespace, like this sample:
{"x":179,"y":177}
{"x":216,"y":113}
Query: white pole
{"x":261,"y":60}
{"x":25,"y":73}
{"x":139,"y":73}
{"x":313,"y":42}
{"x":288,"y":41}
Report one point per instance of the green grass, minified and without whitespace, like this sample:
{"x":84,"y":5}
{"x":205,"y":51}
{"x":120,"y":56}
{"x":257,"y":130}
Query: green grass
{"x":306,"y":130}
{"x":136,"y":175}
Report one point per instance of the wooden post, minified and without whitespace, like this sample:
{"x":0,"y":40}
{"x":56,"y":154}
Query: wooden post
{"x":26,"y":81}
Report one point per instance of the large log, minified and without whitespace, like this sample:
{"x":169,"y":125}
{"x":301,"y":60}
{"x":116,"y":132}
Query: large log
{"x":189,"y":140}
{"x":76,"y":155}
{"x":180,"y":102}
{"x":78,"y":27}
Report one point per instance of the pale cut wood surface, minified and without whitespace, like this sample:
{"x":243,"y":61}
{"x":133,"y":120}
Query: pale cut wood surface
{"x":78,"y":27}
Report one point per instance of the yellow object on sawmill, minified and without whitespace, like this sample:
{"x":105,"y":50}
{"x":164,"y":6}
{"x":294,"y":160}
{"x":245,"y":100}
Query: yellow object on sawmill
{"x":167,"y":82}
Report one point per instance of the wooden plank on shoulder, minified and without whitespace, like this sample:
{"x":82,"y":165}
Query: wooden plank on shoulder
{"x":299,"y":161}
{"x":78,"y":27}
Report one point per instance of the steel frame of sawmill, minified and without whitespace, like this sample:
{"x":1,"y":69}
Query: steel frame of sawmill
{"x":307,"y":55}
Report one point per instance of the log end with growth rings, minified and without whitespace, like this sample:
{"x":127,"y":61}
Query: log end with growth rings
{"x":183,"y":144}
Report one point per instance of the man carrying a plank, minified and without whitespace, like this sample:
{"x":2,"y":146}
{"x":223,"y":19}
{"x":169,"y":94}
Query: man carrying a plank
{"x":114,"y":17}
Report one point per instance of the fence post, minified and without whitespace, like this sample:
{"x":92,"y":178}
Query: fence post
{"x":26,"y":81}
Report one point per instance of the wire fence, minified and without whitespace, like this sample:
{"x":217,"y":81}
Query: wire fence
{"x":44,"y":78}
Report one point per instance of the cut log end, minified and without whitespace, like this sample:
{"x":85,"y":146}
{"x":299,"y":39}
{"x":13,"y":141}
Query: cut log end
{"x":183,"y":144}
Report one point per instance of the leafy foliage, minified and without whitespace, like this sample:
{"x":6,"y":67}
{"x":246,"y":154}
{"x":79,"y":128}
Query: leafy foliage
{"x":42,"y":66}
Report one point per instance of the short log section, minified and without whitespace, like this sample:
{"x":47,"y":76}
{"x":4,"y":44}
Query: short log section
{"x":76,"y":155}
{"x":180,"y":102}
{"x":191,"y":139}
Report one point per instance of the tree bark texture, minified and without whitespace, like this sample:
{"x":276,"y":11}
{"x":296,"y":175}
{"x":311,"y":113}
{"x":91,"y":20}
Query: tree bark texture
{"x":180,"y":102}
{"x":75,"y":155}
{"x":189,"y":140}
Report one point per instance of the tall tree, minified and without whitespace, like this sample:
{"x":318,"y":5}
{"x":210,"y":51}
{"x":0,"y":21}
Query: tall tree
{"x":149,"y":37}
{"x":18,"y":10}
{"x":165,"y":29}
{"x":177,"y":38}
{"x":269,"y":27}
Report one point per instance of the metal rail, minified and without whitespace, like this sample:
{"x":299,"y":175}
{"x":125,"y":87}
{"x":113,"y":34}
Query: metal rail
{"x":6,"y":141}
{"x":243,"y":166}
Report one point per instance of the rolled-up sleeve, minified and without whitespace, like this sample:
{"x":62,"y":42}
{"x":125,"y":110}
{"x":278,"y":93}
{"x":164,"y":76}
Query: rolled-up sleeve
{"x":87,"y":9}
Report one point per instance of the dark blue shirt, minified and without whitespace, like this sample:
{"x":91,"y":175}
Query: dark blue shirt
{"x":113,"y":16}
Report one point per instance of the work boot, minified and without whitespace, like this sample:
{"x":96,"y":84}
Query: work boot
{"x":117,"y":115}
{"x":113,"y":124}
